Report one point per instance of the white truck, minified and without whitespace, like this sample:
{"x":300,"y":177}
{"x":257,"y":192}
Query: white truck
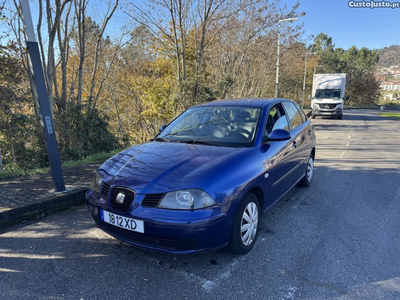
{"x":328,"y":95}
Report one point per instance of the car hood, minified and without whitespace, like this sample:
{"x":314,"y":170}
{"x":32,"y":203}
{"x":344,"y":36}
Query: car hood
{"x":158,"y":167}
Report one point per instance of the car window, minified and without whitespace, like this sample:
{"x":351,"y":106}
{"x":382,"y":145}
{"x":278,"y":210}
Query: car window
{"x":233,"y":126}
{"x":276,"y":119}
{"x":303,"y":115}
{"x":281,"y":124}
{"x":293,"y":114}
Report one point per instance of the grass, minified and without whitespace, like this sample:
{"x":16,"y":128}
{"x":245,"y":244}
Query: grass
{"x":395,"y":115}
{"x":74,"y":163}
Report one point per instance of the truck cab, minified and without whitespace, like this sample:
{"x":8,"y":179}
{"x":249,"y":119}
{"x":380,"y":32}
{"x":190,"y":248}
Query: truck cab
{"x":328,"y":95}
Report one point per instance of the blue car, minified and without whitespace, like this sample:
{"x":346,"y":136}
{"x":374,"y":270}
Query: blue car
{"x":205,"y":180}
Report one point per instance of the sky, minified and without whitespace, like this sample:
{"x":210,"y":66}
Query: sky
{"x":362,"y":27}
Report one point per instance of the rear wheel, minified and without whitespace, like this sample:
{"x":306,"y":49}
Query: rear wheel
{"x":308,"y":177}
{"x":245,"y":226}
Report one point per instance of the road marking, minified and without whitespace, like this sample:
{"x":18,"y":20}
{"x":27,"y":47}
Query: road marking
{"x":30,"y":256}
{"x":206,"y":285}
{"x":9,"y":270}
{"x":342,"y":154}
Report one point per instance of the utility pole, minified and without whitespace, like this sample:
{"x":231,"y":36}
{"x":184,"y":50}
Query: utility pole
{"x":277,"y":59}
{"x":305,"y":75}
{"x":36,"y":69}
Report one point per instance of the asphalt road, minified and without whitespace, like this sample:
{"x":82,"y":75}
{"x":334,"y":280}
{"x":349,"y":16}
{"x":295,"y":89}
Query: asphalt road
{"x":339,"y":238}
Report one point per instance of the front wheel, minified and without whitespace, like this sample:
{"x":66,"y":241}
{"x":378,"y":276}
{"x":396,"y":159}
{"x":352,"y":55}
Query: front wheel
{"x":245,"y":226}
{"x":308,"y":177}
{"x":340,"y":117}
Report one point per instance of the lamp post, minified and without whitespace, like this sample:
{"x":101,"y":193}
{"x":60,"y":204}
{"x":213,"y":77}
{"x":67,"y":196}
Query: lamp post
{"x":305,"y":75}
{"x":277,"y":60}
{"x":39,"y":88}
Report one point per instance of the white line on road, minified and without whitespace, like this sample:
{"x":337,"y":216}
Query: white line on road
{"x":349,"y":136}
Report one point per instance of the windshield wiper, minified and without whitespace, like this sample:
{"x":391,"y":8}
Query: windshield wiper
{"x":159,"y":139}
{"x":196,"y":142}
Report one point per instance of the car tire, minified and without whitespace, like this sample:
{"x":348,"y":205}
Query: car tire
{"x":309,"y":175}
{"x":313,"y":116}
{"x":340,"y":117}
{"x":240,"y":244}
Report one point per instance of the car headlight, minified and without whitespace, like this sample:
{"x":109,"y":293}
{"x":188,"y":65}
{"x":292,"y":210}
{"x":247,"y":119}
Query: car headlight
{"x":186,"y":200}
{"x":96,"y":182}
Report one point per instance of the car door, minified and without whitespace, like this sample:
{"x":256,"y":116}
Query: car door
{"x":306,"y":141}
{"x":279,"y":157}
{"x":298,"y":133}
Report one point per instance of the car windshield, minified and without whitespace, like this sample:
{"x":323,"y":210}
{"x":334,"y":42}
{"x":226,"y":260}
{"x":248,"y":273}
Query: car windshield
{"x":214,"y":125}
{"x":327,"y":94}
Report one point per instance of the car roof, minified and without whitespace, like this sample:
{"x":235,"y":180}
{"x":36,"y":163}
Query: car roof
{"x":249,"y":102}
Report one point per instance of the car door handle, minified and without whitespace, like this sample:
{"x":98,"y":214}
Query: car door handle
{"x":294,"y":144}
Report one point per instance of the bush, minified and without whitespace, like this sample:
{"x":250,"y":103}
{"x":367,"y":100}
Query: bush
{"x":80,"y":135}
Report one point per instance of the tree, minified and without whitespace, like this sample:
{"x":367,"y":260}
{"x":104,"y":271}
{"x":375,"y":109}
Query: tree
{"x":359,"y":65}
{"x":119,"y":89}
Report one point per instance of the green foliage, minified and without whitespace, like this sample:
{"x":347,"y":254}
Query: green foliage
{"x":19,"y":135}
{"x":358,"y":64}
{"x":18,"y":172}
{"x":322,"y":43}
{"x":389,"y":56}
{"x":80,"y":136}
{"x":394,"y":115}
{"x":192,"y":92}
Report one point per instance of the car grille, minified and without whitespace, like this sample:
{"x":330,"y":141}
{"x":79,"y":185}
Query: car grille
{"x":147,"y":240}
{"x":104,"y":190}
{"x":152,"y":200}
{"x":127,"y":201}
{"x":327,"y":106}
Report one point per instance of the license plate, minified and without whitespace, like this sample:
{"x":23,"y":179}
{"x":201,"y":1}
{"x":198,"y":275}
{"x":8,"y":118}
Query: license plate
{"x":122,"y":222}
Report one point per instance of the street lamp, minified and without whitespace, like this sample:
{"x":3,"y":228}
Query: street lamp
{"x":305,"y":74}
{"x":277,"y":60}
{"x":36,"y":70}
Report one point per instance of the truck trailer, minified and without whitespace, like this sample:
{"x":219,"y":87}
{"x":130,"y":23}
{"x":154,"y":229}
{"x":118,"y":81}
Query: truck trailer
{"x":328,"y":95}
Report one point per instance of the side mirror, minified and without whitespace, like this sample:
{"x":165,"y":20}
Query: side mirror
{"x":163,"y":127}
{"x":278,"y":135}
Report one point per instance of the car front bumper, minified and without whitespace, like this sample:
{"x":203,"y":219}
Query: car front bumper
{"x":327,"y":112}
{"x":176,"y":232}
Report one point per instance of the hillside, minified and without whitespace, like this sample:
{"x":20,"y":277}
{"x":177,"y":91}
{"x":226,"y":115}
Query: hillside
{"x":389,"y":56}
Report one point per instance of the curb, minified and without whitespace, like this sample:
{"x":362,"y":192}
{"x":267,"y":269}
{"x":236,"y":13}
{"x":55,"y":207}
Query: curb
{"x":42,"y":207}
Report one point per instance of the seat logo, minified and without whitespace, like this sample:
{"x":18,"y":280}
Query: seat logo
{"x":120,"y":198}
